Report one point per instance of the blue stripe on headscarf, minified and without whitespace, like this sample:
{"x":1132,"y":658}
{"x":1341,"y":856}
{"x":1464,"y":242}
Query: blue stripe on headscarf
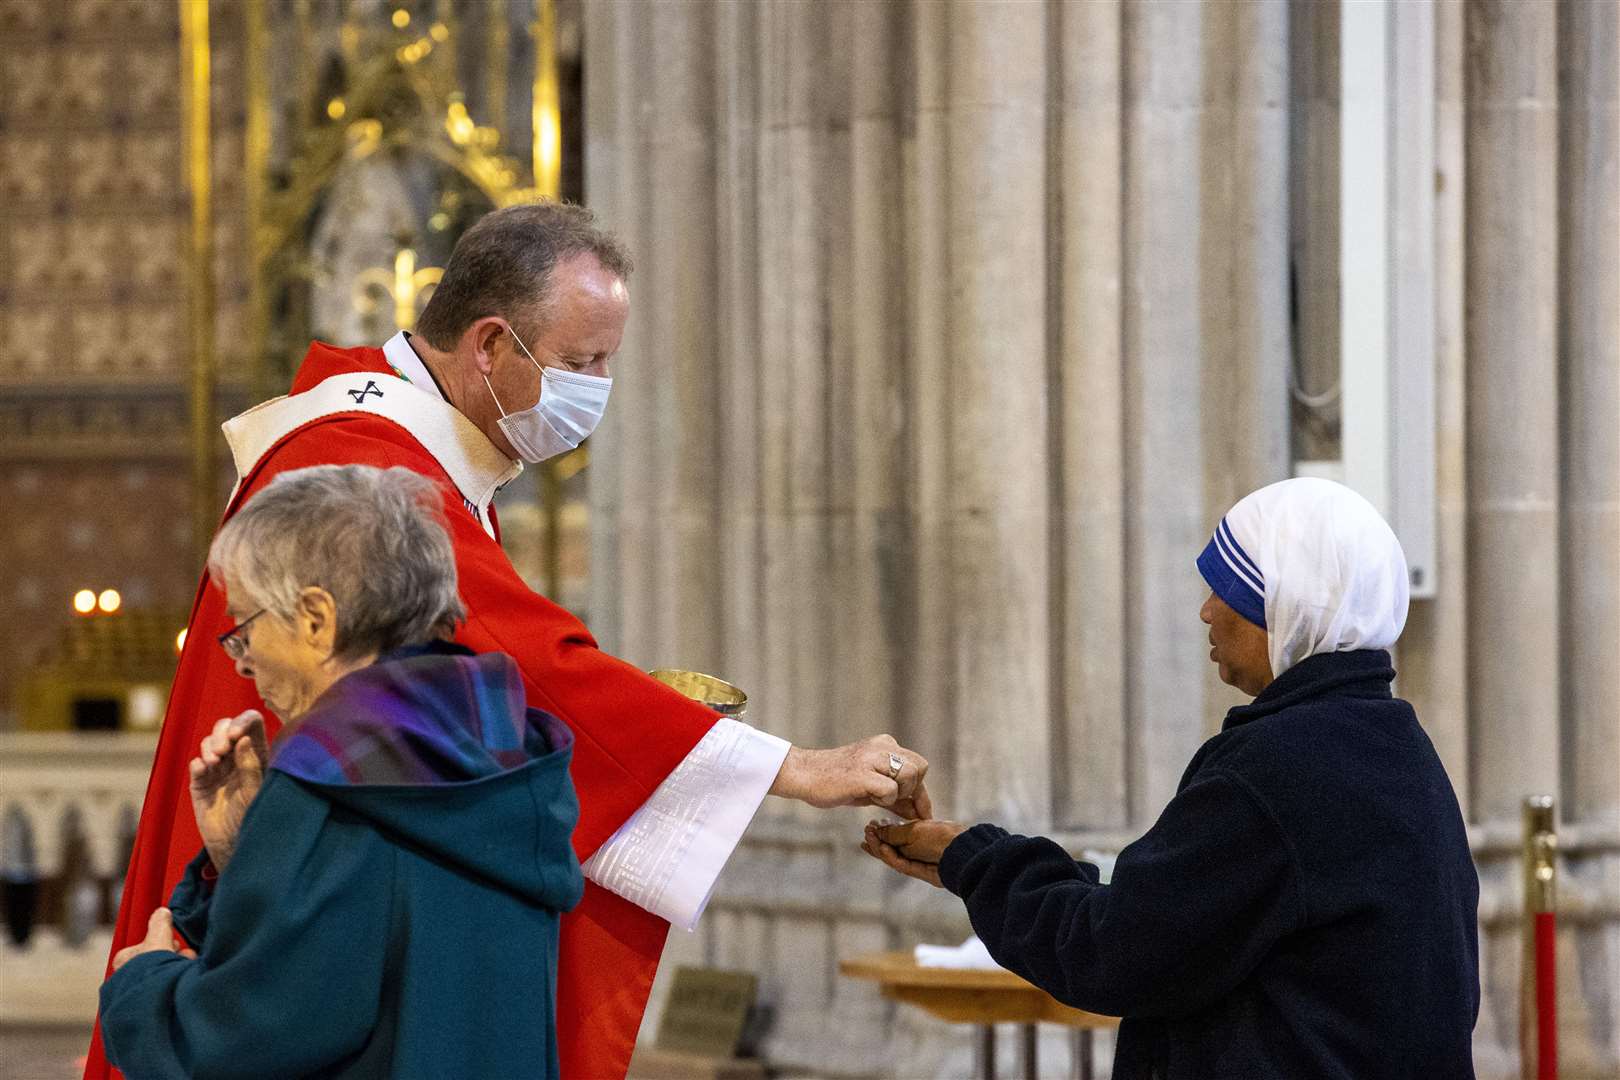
{"x":1228,"y":576}
{"x":1239,"y":558}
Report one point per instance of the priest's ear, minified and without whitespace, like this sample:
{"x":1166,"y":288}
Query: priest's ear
{"x":481,"y":338}
{"x":315,"y":619}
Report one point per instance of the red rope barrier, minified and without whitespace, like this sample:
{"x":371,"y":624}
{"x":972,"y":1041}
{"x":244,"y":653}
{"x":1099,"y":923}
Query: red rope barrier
{"x":1546,"y":997}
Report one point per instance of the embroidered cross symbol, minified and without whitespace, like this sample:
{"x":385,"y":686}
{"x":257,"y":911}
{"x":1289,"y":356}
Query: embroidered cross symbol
{"x":360,"y":395}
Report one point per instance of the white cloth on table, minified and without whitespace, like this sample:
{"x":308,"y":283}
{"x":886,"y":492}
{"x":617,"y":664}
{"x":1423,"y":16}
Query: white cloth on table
{"x":971,"y":955}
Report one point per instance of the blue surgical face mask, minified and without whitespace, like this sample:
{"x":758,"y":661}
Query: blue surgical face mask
{"x":570,"y":406}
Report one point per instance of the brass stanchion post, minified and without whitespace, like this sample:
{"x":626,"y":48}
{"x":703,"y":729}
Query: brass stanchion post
{"x":1538,"y":1001}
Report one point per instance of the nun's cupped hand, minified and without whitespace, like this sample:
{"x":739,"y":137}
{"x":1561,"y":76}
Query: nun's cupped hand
{"x":924,"y":841}
{"x":913,"y":848}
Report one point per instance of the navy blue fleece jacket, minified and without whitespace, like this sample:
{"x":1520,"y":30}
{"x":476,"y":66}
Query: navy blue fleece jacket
{"x":1304,"y":907}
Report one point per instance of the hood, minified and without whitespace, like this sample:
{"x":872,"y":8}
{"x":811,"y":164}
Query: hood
{"x":322,"y":361}
{"x":435,"y":745}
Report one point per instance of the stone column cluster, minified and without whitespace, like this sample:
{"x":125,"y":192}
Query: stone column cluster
{"x":956,"y":327}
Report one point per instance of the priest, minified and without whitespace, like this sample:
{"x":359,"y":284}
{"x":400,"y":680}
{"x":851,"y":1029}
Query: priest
{"x":510,"y":364}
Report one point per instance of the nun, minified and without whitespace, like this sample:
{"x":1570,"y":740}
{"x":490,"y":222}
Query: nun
{"x":1305,"y":906}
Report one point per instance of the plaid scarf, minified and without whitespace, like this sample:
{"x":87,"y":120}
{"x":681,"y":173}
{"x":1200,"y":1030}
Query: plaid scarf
{"x":422,"y":716}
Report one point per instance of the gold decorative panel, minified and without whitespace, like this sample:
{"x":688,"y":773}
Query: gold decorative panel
{"x":36,"y":252}
{"x":19,"y":331}
{"x":93,"y":349}
{"x":93,"y":257}
{"x":26,"y":169}
{"x":151,"y":337}
{"x":21,"y":16}
{"x":29,"y":78}
{"x":93,"y":19}
{"x":86,"y":84}
{"x":154,"y":257}
{"x":368,"y":141}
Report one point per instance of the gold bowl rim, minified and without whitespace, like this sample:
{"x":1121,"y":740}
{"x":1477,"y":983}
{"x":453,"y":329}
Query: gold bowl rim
{"x":711,"y":690}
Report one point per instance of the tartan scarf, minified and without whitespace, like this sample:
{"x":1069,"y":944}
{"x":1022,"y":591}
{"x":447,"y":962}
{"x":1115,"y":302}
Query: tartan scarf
{"x":425,"y":715}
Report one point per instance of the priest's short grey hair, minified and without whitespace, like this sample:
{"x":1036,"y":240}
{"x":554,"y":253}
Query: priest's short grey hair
{"x":373,"y":538}
{"x":502,"y":266}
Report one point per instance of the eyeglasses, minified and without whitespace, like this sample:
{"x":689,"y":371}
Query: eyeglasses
{"x":232,"y":641}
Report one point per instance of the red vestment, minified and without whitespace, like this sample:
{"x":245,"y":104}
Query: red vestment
{"x":630,"y":733}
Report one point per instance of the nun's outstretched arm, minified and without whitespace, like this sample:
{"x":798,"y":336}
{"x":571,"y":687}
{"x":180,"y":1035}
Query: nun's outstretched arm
{"x":1192,"y":907}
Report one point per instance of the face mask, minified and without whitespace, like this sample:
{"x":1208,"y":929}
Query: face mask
{"x":570,"y":406}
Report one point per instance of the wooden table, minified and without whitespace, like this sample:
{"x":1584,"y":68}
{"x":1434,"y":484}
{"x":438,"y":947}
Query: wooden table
{"x":980,"y":997}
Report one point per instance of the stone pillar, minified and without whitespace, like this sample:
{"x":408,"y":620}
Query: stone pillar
{"x":608,"y":165}
{"x":1589,"y":280}
{"x":1512,"y":576}
{"x":1088,"y":377}
{"x":656,"y":468}
{"x":677,"y":482}
{"x":736,"y":413}
{"x":1167,"y":522}
{"x":801,"y":89}
{"x":794,"y":369}
{"x":1242,"y":247}
{"x":925,"y":161}
{"x":1513,"y":451}
{"x":873,"y":647}
{"x":998,"y":450}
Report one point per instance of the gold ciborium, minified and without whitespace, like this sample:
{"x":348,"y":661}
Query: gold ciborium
{"x":716,"y":693}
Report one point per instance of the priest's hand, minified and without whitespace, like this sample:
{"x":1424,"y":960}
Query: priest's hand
{"x":873,"y":772}
{"x":225,"y":776}
{"x":914,"y":848}
{"x":159,"y":938}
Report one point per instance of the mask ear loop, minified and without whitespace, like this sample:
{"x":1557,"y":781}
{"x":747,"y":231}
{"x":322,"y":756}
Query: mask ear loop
{"x":532,"y":360}
{"x":525,"y":348}
{"x":498,"y":404}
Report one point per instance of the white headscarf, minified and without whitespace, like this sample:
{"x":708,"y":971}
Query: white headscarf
{"x":1315,"y":565}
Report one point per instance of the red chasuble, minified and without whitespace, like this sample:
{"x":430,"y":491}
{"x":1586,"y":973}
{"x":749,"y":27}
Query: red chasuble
{"x":630,"y":733}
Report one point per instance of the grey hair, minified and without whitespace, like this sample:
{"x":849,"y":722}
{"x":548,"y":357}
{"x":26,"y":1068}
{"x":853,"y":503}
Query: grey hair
{"x":502,"y":266}
{"x":373,"y":538}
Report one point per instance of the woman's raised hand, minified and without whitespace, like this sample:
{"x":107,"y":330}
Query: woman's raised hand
{"x":225,"y":776}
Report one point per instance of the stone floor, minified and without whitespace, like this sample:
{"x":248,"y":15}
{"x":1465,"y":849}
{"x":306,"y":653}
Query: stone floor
{"x":51,"y":983}
{"x":42,"y":1051}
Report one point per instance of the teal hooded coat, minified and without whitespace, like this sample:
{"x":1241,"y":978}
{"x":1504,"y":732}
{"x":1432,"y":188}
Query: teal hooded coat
{"x":392,"y":906}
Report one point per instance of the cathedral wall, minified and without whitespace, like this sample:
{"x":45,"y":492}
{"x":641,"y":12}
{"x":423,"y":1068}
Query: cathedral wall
{"x":956,"y":328}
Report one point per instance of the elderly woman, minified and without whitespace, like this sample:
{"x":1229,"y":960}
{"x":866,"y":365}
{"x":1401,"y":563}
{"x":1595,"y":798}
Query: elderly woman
{"x":1305,"y":904}
{"x":379,"y":891}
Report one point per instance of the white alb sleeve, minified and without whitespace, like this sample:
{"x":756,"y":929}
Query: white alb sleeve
{"x":667,"y":857}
